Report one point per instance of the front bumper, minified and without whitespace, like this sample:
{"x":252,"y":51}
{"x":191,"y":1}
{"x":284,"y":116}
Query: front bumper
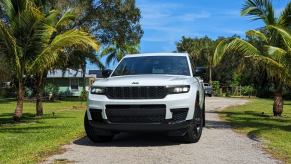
{"x":175,"y":101}
{"x":168,"y":124}
{"x":171,"y":128}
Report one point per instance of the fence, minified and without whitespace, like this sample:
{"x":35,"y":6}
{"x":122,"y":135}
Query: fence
{"x":235,"y":91}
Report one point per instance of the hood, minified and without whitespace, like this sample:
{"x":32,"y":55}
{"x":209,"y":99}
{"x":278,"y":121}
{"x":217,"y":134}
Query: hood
{"x":144,"y":80}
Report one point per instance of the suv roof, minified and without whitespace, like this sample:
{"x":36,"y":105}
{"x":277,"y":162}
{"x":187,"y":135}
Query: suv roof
{"x":156,"y":54}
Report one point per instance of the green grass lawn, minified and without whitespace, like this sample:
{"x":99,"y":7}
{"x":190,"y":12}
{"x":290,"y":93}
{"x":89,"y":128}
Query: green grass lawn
{"x":256,"y":120}
{"x":35,"y":138}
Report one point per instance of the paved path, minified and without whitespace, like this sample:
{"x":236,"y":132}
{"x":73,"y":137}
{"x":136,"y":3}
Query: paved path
{"x":219,"y":144}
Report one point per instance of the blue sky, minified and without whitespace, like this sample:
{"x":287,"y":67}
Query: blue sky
{"x":165,"y":21}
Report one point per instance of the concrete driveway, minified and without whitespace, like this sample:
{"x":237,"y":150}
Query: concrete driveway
{"x":219,"y":144}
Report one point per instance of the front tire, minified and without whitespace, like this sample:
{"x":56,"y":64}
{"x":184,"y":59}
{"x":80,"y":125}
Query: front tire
{"x":194,"y":131}
{"x":92,"y":134}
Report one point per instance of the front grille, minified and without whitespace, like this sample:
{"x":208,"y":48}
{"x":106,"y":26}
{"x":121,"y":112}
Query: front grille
{"x":136,"y":113}
{"x":144,"y":92}
{"x":179,"y":114}
{"x":96,"y":115}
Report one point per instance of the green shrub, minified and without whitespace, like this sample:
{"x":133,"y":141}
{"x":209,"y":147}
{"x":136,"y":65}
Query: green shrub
{"x":51,"y":88}
{"x":216,"y":88}
{"x":247,"y":90}
{"x":2,"y":93}
{"x":28,"y":92}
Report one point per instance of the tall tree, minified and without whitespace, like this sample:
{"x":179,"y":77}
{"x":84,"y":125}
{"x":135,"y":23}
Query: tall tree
{"x":62,"y":21}
{"x":30,"y":42}
{"x":118,"y":22}
{"x":118,"y":27}
{"x":275,"y":54}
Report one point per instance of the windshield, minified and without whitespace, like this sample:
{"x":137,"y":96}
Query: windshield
{"x":170,"y":65}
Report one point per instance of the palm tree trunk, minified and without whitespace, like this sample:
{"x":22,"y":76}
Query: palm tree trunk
{"x":210,"y":74}
{"x":210,"y":63}
{"x":278,"y":102}
{"x":20,"y":98}
{"x":84,"y":74}
{"x":39,"y":93}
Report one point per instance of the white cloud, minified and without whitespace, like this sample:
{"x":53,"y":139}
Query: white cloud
{"x":159,"y":16}
{"x":193,"y":16}
{"x":232,"y":31}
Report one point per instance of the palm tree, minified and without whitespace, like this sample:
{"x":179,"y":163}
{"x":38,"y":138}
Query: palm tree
{"x":60,"y":22}
{"x":31,"y":44}
{"x":275,"y":54}
{"x":200,"y":50}
{"x":116,"y":52}
{"x":15,"y":28}
{"x":192,"y":46}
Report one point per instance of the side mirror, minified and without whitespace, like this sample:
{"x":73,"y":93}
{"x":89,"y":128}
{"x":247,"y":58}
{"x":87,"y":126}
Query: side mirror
{"x":106,"y":73}
{"x":200,"y":71}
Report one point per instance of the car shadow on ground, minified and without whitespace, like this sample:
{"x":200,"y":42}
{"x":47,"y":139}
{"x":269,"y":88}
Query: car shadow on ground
{"x":145,"y":139}
{"x":132,"y":140}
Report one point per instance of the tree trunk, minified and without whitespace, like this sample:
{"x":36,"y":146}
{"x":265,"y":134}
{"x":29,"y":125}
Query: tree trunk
{"x":210,"y":63}
{"x":20,"y":98}
{"x":210,"y":74}
{"x":278,"y":102}
{"x":39,"y":93}
{"x":84,"y":75}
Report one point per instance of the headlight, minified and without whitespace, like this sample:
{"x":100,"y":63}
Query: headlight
{"x":178,"y":89}
{"x":97,"y":90}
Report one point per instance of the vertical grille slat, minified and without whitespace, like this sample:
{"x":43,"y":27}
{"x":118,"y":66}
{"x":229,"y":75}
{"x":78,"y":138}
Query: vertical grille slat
{"x":144,"y":92}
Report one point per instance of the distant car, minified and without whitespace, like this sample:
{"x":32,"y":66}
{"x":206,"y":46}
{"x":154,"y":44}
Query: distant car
{"x":208,"y":89}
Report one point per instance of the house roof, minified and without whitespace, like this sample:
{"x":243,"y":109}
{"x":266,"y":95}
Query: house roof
{"x":69,"y":73}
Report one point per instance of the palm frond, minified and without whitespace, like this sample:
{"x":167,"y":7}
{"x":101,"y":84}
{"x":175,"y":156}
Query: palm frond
{"x":93,"y":58}
{"x":259,"y":9}
{"x":70,"y":38}
{"x":274,"y":68}
{"x":111,"y":58}
{"x":120,"y":54}
{"x":286,"y":35}
{"x":41,"y":38}
{"x":8,"y":6}
{"x":107,"y":51}
{"x":74,"y":37}
{"x":219,"y":52}
{"x":52,"y":17}
{"x":257,"y":34}
{"x":66,"y":18}
{"x":8,"y":45}
{"x":285,"y":17}
{"x":99,"y":63}
{"x":275,"y":53}
{"x":237,"y":44}
{"x":244,"y":47}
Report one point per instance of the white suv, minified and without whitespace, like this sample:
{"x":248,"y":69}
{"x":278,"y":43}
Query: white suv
{"x":147,"y":92}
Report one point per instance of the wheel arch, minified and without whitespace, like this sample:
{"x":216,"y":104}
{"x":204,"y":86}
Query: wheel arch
{"x":201,"y":104}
